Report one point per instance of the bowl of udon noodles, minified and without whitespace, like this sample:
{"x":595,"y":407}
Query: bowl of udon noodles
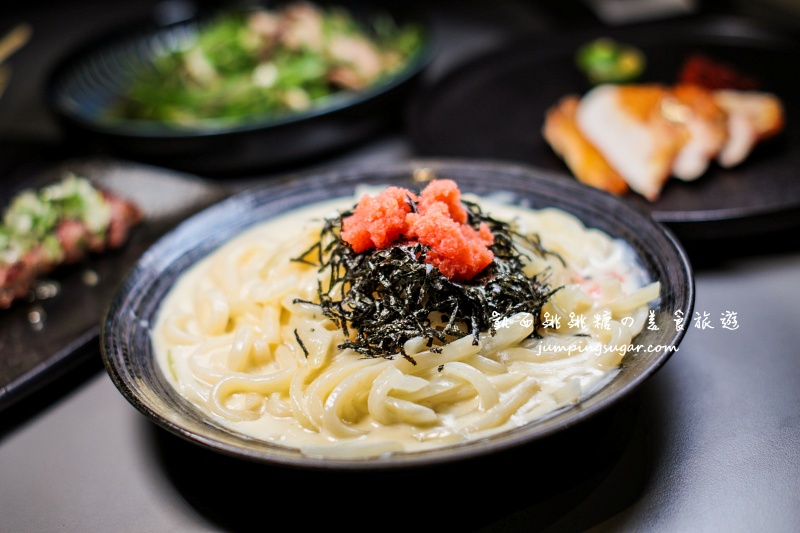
{"x":331,"y":320}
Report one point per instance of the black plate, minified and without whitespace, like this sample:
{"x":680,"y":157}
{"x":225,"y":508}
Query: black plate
{"x":41,"y":338}
{"x":494,"y":108}
{"x":128,"y":353}
{"x":86,"y":81}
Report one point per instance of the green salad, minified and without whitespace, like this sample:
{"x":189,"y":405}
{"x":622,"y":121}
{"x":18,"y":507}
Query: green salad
{"x":268,"y":61}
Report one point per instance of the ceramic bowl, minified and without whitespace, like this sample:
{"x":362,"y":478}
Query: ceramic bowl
{"x":128,"y":353}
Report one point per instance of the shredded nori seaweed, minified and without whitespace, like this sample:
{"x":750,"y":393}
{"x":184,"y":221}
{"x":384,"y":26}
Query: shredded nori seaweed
{"x":381,"y":298}
{"x":300,"y":342}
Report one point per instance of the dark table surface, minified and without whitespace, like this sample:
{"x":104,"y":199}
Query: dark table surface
{"x":710,"y":443}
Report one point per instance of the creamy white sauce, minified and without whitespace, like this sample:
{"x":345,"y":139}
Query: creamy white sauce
{"x":596,"y":262}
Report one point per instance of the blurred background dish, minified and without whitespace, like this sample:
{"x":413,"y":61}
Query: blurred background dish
{"x":129,"y":357}
{"x":42,"y":336}
{"x":242,"y":87}
{"x":495,"y":105}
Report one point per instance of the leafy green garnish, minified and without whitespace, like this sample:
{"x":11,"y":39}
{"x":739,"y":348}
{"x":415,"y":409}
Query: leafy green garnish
{"x":32,"y":217}
{"x":234,"y":70}
{"x":604,"y":60}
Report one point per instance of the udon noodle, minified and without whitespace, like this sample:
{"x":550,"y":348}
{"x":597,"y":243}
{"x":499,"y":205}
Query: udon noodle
{"x":232,"y":338}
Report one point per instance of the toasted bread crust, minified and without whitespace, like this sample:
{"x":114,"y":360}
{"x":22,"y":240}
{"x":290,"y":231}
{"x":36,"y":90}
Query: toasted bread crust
{"x":635,"y":137}
{"x":584,"y":160}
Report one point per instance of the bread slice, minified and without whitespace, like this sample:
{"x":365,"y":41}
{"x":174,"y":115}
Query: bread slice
{"x":635,"y":137}
{"x":706,"y":126}
{"x":753,"y":116}
{"x":625,"y":124}
{"x":582,"y":158}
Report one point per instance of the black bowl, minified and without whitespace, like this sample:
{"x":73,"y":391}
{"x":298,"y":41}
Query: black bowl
{"x":128,"y":354}
{"x":88,"y":80}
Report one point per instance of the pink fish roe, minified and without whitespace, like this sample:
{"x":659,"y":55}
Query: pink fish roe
{"x":378,"y":221}
{"x":457,"y":250}
{"x":444,"y":191}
